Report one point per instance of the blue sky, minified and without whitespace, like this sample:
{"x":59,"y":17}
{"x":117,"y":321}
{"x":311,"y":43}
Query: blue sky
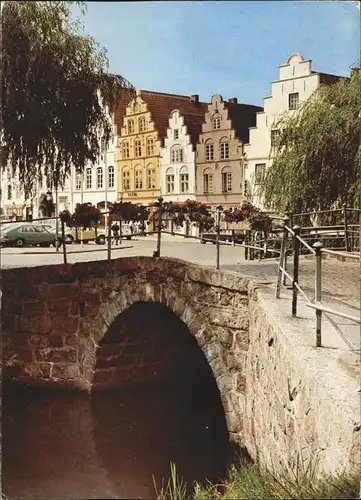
{"x":230,"y":48}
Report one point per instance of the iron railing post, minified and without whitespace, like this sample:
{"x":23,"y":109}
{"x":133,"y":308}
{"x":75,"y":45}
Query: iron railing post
{"x":159,"y":227}
{"x":63,"y":240}
{"x":246,"y":242}
{"x":296,"y":264}
{"x":109,"y":238}
{"x":289,"y":224}
{"x":347,"y":248}
{"x":219,"y":208}
{"x":282,"y":261}
{"x":318,"y":290}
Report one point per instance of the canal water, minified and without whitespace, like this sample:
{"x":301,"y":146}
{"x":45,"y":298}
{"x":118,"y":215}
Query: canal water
{"x":69,"y":445}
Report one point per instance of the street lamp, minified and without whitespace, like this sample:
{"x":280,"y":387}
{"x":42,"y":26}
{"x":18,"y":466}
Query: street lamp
{"x":219,"y":209}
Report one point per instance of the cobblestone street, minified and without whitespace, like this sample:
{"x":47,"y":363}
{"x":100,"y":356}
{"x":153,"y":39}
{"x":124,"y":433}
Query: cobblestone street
{"x":340,"y":282}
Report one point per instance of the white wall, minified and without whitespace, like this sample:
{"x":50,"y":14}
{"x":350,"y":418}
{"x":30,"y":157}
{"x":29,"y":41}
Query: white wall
{"x":176,"y":121}
{"x":294,"y":76}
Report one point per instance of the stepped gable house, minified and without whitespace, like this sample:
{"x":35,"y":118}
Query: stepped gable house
{"x":295,"y":85}
{"x":177,"y":161}
{"x":142,"y":136}
{"x":219,"y":154}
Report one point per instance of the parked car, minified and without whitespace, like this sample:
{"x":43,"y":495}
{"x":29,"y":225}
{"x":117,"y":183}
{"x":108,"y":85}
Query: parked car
{"x":21,"y":234}
{"x":89,"y":234}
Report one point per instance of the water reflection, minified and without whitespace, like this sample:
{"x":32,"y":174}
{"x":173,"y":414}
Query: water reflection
{"x":61,"y":445}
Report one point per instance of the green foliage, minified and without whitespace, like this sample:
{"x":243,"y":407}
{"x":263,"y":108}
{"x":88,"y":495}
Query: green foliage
{"x":85,"y":215}
{"x":56,"y":92}
{"x":248,"y":483}
{"x":316,"y":160}
{"x":46,"y":205}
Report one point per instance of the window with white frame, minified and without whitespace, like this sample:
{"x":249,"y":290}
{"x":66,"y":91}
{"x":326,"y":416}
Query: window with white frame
{"x":78,"y":182}
{"x":138,"y":147}
{"x":17,"y":191}
{"x":209,"y":151}
{"x":111,"y":177}
{"x":224,"y":150}
{"x":10,"y":192}
{"x":138,"y":179}
{"x":216,"y":123}
{"x":176,"y":154}
{"x":151,"y":178}
{"x":99,"y":178}
{"x":130,"y":126}
{"x":176,"y":134}
{"x":169,"y":181}
{"x":88,"y":178}
{"x":259,"y":171}
{"x":184,"y":180}
{"x":142,"y":125}
{"x":126,"y":180}
{"x":207,"y":182}
{"x":293,"y":100}
{"x":150,"y":146}
{"x":226,"y":182}
{"x":126,"y":149}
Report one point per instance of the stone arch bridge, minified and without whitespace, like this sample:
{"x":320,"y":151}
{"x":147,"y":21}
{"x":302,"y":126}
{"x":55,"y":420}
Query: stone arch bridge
{"x":277,"y":402}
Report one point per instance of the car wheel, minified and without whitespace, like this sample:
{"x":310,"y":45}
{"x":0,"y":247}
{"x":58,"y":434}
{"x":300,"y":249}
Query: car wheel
{"x":100,"y":240}
{"x":19,"y":242}
{"x":69,"y":239}
{"x":129,"y":237}
{"x":203,"y":242}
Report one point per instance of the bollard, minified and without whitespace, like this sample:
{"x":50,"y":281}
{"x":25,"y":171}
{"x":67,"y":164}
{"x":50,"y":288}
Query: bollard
{"x":347,"y":246}
{"x":318,"y":290}
{"x":296,"y":265}
{"x":282,"y":262}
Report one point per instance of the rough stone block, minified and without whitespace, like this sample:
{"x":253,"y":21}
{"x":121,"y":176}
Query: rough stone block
{"x":60,"y":306}
{"x":69,"y":324}
{"x":65,"y":371}
{"x":68,"y":291}
{"x":36,"y":324}
{"x":56,"y":355}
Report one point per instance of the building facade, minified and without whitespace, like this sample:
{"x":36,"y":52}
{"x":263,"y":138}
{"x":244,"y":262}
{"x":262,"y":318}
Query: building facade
{"x":142,"y":137}
{"x":296,"y":83}
{"x":177,"y":160}
{"x":219,"y":152}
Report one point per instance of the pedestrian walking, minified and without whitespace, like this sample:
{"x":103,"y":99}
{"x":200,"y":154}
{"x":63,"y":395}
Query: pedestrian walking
{"x":115,"y":230}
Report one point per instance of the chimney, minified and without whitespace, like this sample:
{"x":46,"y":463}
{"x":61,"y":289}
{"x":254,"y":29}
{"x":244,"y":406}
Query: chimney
{"x":195,"y":98}
{"x":233,"y":100}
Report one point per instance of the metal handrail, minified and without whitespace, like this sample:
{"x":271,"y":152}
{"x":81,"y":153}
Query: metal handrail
{"x":342,"y":254}
{"x":316,"y":250}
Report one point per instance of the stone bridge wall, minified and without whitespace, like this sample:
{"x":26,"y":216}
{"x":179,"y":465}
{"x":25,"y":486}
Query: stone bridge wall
{"x":284,"y":399}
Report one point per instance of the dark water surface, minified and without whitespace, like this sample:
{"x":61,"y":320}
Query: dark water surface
{"x":67,"y":445}
{"x":59,"y":445}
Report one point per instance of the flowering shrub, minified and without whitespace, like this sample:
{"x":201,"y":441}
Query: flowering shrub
{"x":67,"y":218}
{"x":128,"y":211}
{"x":86,"y":215}
{"x":250,"y":213}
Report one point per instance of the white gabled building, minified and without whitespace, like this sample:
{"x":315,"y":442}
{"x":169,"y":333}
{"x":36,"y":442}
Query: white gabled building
{"x":177,"y":157}
{"x":296,"y":83}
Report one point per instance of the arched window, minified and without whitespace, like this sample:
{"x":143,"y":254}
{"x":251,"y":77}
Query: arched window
{"x":224,"y":148}
{"x":227,"y":180}
{"x":207,"y":180}
{"x":184,"y":180}
{"x":209,"y":150}
{"x":141,"y":123}
{"x":150,"y":146}
{"x":125,"y":151}
{"x":88,"y":178}
{"x":138,"y":147}
{"x":150,"y":177}
{"x":169,"y":180}
{"x":176,"y":154}
{"x":111,"y":177}
{"x":130,"y":126}
{"x":138,"y":178}
{"x":126,"y":179}
{"x":99,"y":178}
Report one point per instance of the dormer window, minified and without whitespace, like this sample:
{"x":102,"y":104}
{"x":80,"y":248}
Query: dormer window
{"x":216,"y":123}
{"x":176,"y":134}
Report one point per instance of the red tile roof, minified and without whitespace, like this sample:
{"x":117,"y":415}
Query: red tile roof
{"x":119,"y":113}
{"x":161,"y":105}
{"x":326,"y":79}
{"x":242,"y":117}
